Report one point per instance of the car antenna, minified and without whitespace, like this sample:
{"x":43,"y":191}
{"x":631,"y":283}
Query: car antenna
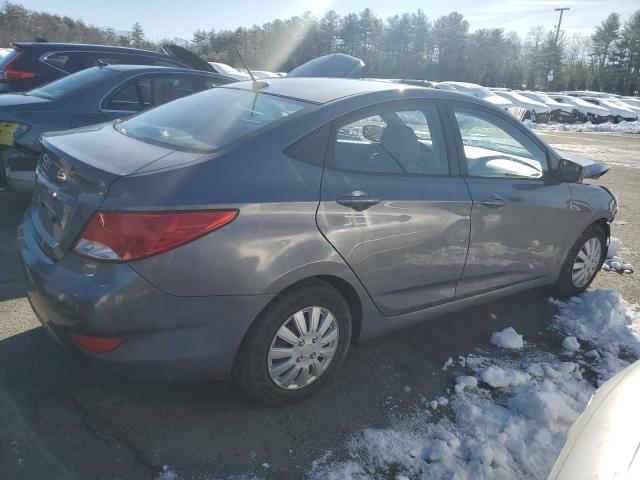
{"x":256,"y":84}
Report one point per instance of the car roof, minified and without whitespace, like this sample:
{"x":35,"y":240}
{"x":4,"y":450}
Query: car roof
{"x":85,"y":46}
{"x":324,"y":90}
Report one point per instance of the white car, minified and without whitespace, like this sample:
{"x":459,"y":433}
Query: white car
{"x":617,"y":112}
{"x":625,"y":104}
{"x":476,"y":90}
{"x":535,"y":110}
{"x":560,"y":112}
{"x":264,"y":74}
{"x":604,"y":443}
{"x":585,"y":110}
{"x":228,"y":70}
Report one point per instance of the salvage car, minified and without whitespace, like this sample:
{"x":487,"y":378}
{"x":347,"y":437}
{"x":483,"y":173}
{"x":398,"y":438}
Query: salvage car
{"x":585,"y":111}
{"x":90,"y":96}
{"x":534,"y":110}
{"x":560,"y":112}
{"x":257,"y":229}
{"x":617,"y":112}
{"x":477,"y":91}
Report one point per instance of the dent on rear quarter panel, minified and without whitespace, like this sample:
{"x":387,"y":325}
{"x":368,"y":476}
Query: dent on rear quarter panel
{"x":274,"y":234}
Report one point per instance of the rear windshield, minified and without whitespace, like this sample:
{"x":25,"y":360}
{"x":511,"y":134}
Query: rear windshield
{"x":71,"y":83}
{"x":208,"y":120}
{"x":6,"y":55}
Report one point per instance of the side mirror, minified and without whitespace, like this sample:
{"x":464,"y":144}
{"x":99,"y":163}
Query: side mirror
{"x":373,"y":133}
{"x":569,"y":171}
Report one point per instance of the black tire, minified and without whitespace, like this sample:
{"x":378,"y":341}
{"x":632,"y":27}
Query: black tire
{"x":564,"y":286}
{"x":250,"y":368}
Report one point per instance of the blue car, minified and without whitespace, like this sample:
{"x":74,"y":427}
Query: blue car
{"x":91,"y":96}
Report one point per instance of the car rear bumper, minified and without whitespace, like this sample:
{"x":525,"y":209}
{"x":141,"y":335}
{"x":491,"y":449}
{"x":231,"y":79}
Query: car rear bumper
{"x":166,"y":336}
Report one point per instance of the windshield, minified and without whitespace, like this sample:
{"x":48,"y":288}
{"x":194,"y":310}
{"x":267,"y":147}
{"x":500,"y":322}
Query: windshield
{"x":208,"y":120}
{"x":70,"y":83}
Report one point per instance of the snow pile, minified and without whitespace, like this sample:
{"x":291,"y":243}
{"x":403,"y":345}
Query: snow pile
{"x":507,"y":338}
{"x":570,"y":344}
{"x":614,"y":261}
{"x":512,"y":422}
{"x":607,"y":127}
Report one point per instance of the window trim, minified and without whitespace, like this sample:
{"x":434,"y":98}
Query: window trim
{"x":483,"y":113}
{"x":411,"y":104}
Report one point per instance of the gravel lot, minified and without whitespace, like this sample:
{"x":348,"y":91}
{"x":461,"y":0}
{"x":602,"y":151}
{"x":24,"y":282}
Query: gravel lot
{"x":60,"y":419}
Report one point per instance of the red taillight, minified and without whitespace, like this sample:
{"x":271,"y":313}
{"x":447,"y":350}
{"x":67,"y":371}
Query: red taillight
{"x":96,"y":344}
{"x":126,"y":236}
{"x":10,"y":74}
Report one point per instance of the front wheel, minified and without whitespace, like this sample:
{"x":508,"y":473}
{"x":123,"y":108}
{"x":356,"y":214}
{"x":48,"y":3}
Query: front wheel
{"x":583,"y":262}
{"x":295,"y":345}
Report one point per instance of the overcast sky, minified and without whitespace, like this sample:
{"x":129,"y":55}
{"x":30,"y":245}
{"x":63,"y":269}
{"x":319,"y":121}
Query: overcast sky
{"x":171,"y":18}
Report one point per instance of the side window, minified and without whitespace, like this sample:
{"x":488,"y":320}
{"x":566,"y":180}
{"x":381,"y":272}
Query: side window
{"x":493,"y":148}
{"x":392,"y":140}
{"x":71,"y":62}
{"x":125,"y":99}
{"x":311,"y":147}
{"x":166,"y":88}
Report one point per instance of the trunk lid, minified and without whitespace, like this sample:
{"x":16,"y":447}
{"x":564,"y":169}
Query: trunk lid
{"x":187,"y":57}
{"x":73,"y":177}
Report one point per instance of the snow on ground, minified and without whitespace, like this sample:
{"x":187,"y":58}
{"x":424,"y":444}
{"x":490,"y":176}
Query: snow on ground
{"x":614,"y":262}
{"x":607,"y":127}
{"x":507,"y":338}
{"x":511,"y":416}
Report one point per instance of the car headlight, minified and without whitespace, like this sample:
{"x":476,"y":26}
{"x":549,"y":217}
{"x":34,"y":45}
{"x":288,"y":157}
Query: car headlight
{"x":10,"y":131}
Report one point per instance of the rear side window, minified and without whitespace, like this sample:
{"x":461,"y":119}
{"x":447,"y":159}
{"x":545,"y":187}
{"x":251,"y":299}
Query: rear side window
{"x":150,"y":91}
{"x":71,"y":62}
{"x":406,"y":140}
{"x":71,"y":83}
{"x":208,"y":120}
{"x":311,"y":147}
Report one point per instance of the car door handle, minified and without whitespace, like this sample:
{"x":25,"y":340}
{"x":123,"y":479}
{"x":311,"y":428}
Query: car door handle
{"x":358,"y":201}
{"x":493,"y":201}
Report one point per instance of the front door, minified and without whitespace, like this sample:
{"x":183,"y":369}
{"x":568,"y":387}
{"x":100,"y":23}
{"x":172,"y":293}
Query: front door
{"x":519,"y":217}
{"x":394,"y":207}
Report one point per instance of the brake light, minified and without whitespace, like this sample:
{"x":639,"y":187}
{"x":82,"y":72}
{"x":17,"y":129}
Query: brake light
{"x":127,"y":236}
{"x":96,"y":344}
{"x":10,"y":74}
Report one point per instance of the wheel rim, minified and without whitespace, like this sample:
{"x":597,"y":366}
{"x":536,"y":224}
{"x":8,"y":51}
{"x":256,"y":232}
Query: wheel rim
{"x":586,"y":262}
{"x":303,"y":347}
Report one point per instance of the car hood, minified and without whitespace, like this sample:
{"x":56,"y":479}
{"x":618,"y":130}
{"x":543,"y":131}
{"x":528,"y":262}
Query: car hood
{"x":338,"y":65}
{"x":524,"y":102}
{"x":498,"y":101}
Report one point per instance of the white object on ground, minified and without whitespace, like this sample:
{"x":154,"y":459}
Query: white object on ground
{"x":503,"y":377}
{"x":507,"y":338}
{"x":607,"y":127}
{"x":570,"y":344}
{"x":465,"y":381}
{"x":614,"y":261}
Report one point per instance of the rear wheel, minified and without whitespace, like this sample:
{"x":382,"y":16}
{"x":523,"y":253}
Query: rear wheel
{"x":295,"y":345}
{"x":583,"y":262}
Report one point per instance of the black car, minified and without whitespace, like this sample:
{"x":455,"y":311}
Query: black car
{"x":91,"y":96}
{"x":31,"y":64}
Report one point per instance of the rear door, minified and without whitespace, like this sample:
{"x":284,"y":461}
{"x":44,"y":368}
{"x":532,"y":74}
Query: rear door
{"x":520,"y":216}
{"x":394,"y":206}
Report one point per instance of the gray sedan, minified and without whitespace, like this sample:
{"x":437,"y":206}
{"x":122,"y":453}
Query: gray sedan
{"x":258,"y":229}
